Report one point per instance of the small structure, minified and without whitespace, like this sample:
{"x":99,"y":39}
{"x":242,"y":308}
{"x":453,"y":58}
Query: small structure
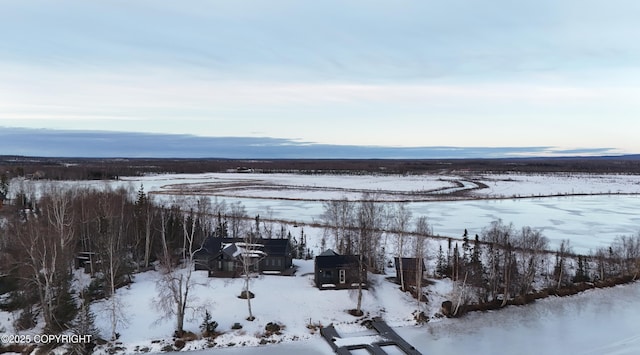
{"x":88,"y":261}
{"x":413,"y":269}
{"x":386,"y":341}
{"x":335,"y":271}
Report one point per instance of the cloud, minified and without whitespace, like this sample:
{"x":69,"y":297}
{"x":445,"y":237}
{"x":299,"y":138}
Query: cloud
{"x":60,"y":143}
{"x":458,"y":72}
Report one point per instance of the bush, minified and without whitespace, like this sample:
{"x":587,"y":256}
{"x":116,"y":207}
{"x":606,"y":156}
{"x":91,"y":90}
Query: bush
{"x":208,"y":326}
{"x":272,"y":327}
{"x":26,"y":320}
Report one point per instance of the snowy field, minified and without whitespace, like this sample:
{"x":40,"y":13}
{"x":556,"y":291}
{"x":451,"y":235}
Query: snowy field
{"x":388,"y":187}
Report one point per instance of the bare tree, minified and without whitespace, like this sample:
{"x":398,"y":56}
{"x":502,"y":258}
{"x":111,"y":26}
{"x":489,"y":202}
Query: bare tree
{"x":250,"y":254}
{"x":237,"y":216}
{"x":339,"y":216}
{"x":45,"y":239}
{"x":531,"y":245}
{"x":176,"y":282}
{"x":401,"y":216}
{"x":369,"y":223}
{"x":113,"y":253}
{"x":560,"y":270}
{"x":626,"y":252}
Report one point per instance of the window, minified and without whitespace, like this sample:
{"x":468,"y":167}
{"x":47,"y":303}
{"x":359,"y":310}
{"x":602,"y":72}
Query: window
{"x":342,"y":276}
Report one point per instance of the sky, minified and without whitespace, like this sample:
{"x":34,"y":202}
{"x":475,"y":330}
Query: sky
{"x":564,"y":75}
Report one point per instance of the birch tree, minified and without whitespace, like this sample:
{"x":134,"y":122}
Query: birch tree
{"x":175,"y":284}
{"x":338,"y":216}
{"x":401,"y":217}
{"x":46,"y":239}
{"x":249,"y":257}
{"x":531,"y":246}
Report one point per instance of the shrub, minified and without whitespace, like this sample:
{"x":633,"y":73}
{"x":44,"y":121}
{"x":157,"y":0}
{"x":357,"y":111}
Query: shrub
{"x":208,"y":326}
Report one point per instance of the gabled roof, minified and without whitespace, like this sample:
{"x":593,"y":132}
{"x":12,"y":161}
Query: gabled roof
{"x":331,"y":259}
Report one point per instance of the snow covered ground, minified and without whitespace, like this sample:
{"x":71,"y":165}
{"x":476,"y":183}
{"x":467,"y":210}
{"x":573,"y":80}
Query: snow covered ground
{"x":550,"y":326}
{"x":389,"y":187}
{"x":293,"y":302}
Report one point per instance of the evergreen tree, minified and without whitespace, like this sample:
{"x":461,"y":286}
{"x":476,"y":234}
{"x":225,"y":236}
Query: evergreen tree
{"x":476,"y":269}
{"x":582,"y":274}
{"x":208,"y":325}
{"x":4,"y":186}
{"x":221,"y":230}
{"x":441,"y":263}
{"x":85,"y":325}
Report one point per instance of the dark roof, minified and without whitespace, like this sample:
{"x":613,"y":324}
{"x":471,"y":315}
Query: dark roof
{"x":337,"y":261}
{"x":212,"y":245}
{"x":328,"y":252}
{"x":274,"y":247}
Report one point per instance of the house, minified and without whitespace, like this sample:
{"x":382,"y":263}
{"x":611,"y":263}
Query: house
{"x":279,"y":258}
{"x":412,"y":269}
{"x":335,"y":271}
{"x":224,"y":257}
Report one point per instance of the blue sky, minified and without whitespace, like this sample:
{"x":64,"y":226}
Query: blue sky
{"x":556,"y":74}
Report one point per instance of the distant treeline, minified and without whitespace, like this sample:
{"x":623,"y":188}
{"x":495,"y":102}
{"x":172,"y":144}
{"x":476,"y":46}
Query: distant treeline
{"x":99,"y":168}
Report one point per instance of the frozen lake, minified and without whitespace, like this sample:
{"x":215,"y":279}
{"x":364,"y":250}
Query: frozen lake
{"x":596,"y":322}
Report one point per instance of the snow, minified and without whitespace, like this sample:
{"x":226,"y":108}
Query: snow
{"x":293,"y":302}
{"x":551,"y":326}
{"x":589,"y":221}
{"x":355,"y":340}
